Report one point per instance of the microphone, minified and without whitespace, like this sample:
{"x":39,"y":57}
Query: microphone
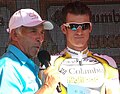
{"x":44,"y":57}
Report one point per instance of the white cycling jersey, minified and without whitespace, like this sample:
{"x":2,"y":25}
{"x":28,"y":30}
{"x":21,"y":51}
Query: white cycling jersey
{"x":82,"y":73}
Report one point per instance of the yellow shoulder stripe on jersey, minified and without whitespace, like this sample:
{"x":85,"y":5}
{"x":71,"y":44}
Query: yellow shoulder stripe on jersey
{"x":109,"y":71}
{"x":60,"y":59}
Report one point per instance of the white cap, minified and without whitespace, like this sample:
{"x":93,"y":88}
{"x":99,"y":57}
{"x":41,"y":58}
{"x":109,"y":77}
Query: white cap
{"x":28,"y":18}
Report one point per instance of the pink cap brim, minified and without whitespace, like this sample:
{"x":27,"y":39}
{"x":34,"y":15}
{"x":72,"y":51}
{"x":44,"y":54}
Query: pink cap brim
{"x":47,"y":24}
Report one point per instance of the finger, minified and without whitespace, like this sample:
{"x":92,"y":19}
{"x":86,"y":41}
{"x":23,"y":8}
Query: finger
{"x":50,"y":69}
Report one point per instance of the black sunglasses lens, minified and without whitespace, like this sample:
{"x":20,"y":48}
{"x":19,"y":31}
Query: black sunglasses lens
{"x":85,"y":26}
{"x":74,"y":26}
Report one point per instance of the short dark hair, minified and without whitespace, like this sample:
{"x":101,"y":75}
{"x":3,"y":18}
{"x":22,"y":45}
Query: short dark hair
{"x":76,"y":8}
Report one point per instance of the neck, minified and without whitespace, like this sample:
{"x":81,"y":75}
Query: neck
{"x":80,"y":49}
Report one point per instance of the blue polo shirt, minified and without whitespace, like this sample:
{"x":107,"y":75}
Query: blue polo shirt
{"x":18,"y":73}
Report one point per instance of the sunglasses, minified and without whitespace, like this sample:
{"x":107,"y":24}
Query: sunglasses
{"x":74,"y":26}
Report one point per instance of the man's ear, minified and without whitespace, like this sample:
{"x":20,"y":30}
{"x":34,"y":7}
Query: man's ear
{"x":13,"y":35}
{"x":90,"y":28}
{"x":63,"y":28}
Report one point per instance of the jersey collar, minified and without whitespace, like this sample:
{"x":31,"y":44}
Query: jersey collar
{"x":77,"y":54}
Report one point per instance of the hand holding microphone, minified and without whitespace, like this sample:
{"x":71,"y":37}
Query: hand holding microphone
{"x":51,"y":73}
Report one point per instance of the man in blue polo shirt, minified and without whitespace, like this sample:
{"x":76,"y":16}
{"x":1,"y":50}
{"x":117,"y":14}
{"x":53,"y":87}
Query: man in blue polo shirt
{"x":18,"y":73}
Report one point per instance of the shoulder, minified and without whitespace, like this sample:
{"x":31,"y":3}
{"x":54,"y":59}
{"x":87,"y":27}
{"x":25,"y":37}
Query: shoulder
{"x":55,"y":56}
{"x":109,"y":59}
{"x":8,"y":57}
{"x":5,"y":58}
{"x":6,"y":64}
{"x":8,"y":60}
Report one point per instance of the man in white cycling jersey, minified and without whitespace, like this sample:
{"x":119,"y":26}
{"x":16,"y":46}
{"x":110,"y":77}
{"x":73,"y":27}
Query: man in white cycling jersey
{"x":83,"y":72}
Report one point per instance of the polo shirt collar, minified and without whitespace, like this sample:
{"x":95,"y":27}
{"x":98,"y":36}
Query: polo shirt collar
{"x":18,"y":53}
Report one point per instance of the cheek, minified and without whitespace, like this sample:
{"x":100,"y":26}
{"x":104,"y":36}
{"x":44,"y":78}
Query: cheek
{"x":42,"y":38}
{"x":27,"y":42}
{"x":87,"y":36}
{"x":30,"y":38}
{"x":70,"y":37}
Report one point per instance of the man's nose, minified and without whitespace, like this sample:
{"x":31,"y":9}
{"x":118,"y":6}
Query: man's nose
{"x":40,"y":37}
{"x":79,"y":30}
